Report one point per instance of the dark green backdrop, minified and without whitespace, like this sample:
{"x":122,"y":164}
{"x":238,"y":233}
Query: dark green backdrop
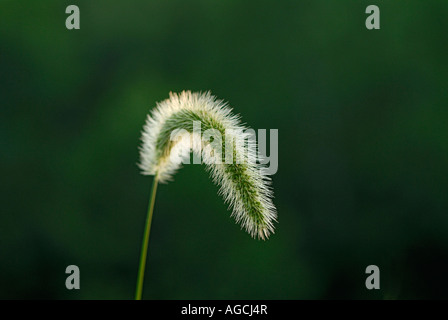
{"x":363,"y":148}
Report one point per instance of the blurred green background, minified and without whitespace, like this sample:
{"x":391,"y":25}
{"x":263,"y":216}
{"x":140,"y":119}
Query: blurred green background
{"x":363,"y":148}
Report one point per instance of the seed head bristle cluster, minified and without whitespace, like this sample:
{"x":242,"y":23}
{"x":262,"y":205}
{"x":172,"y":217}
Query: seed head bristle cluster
{"x":243,"y":183}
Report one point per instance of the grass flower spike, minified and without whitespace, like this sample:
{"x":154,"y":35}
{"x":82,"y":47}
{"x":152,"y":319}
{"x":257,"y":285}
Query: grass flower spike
{"x":243,"y":182}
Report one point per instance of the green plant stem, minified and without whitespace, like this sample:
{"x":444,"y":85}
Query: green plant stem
{"x":144,"y":252}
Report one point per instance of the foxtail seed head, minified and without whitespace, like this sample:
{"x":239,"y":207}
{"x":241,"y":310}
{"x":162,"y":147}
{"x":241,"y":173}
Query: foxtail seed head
{"x":243,"y":183}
